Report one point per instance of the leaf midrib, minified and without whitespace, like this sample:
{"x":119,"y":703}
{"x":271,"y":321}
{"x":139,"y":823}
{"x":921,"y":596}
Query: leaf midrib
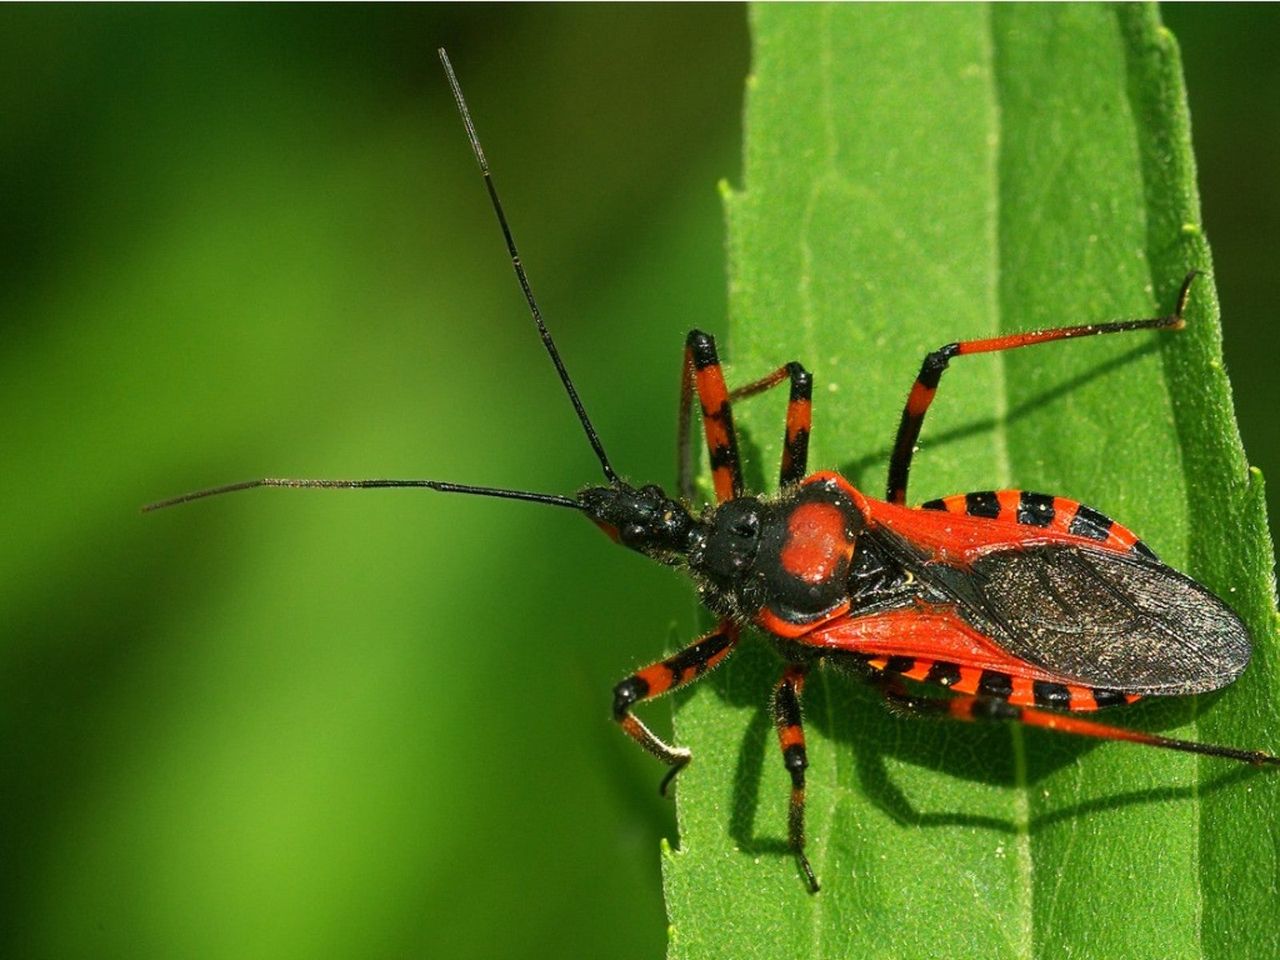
{"x":1024,"y":944}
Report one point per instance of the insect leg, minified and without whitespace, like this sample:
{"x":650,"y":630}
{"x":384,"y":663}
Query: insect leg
{"x":992,"y":708}
{"x":658,"y":678}
{"x":795,"y":442}
{"x":787,"y":719}
{"x":922,"y":391}
{"x":702,"y":370}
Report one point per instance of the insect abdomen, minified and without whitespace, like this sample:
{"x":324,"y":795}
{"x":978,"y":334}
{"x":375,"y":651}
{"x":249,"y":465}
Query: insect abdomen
{"x":1046,"y":512}
{"x":1020,"y":691}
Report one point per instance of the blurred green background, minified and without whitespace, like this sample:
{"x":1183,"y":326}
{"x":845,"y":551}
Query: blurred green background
{"x":240,"y":241}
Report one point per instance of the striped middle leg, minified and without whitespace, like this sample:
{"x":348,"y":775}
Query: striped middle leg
{"x":788,"y":722}
{"x":795,"y":441}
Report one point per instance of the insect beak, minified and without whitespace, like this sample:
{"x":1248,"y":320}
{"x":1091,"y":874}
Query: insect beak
{"x":644,"y":520}
{"x":610,"y":530}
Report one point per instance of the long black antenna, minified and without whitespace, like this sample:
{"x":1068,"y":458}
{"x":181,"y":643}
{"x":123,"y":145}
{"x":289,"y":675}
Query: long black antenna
{"x":547,"y":342}
{"x":439,"y":485}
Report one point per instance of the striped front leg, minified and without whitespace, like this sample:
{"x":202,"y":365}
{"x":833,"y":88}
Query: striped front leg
{"x":702,"y":373}
{"x":658,"y":678}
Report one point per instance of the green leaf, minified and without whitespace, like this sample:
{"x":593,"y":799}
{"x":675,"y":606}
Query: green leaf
{"x":920,"y":174}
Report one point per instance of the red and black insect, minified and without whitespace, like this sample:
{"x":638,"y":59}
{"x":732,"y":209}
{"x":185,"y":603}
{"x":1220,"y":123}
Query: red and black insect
{"x":1017,"y":606}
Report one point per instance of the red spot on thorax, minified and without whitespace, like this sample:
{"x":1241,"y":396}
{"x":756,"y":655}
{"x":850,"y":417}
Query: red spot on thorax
{"x":818,"y":545}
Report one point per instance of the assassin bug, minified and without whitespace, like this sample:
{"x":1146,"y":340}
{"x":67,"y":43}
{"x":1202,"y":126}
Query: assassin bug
{"x":1020,"y":606}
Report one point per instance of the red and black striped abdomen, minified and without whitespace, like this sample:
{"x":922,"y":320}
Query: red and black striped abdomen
{"x":1015,"y":688}
{"x":938,"y":647}
{"x":1091,"y":601}
{"x":961,"y":528}
{"x":1045,"y":512}
{"x":1026,"y":588}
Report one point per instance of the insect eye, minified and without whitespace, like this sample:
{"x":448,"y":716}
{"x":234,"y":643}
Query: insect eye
{"x":632,"y":533}
{"x":747,"y":527}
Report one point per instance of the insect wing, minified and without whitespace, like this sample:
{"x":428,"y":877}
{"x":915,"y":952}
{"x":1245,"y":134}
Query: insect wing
{"x":1110,"y":620}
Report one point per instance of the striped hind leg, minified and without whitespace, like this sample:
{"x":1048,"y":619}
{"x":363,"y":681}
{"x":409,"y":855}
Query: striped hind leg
{"x":976,"y":708}
{"x":935,"y":364}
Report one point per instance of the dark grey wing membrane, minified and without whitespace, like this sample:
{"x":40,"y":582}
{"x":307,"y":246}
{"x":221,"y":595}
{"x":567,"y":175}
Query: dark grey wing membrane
{"x":1107,"y":619}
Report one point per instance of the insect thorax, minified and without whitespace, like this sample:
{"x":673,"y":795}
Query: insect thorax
{"x":791,"y":556}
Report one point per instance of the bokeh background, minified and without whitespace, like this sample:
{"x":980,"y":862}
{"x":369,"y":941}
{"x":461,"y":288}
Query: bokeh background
{"x":238,"y":241}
